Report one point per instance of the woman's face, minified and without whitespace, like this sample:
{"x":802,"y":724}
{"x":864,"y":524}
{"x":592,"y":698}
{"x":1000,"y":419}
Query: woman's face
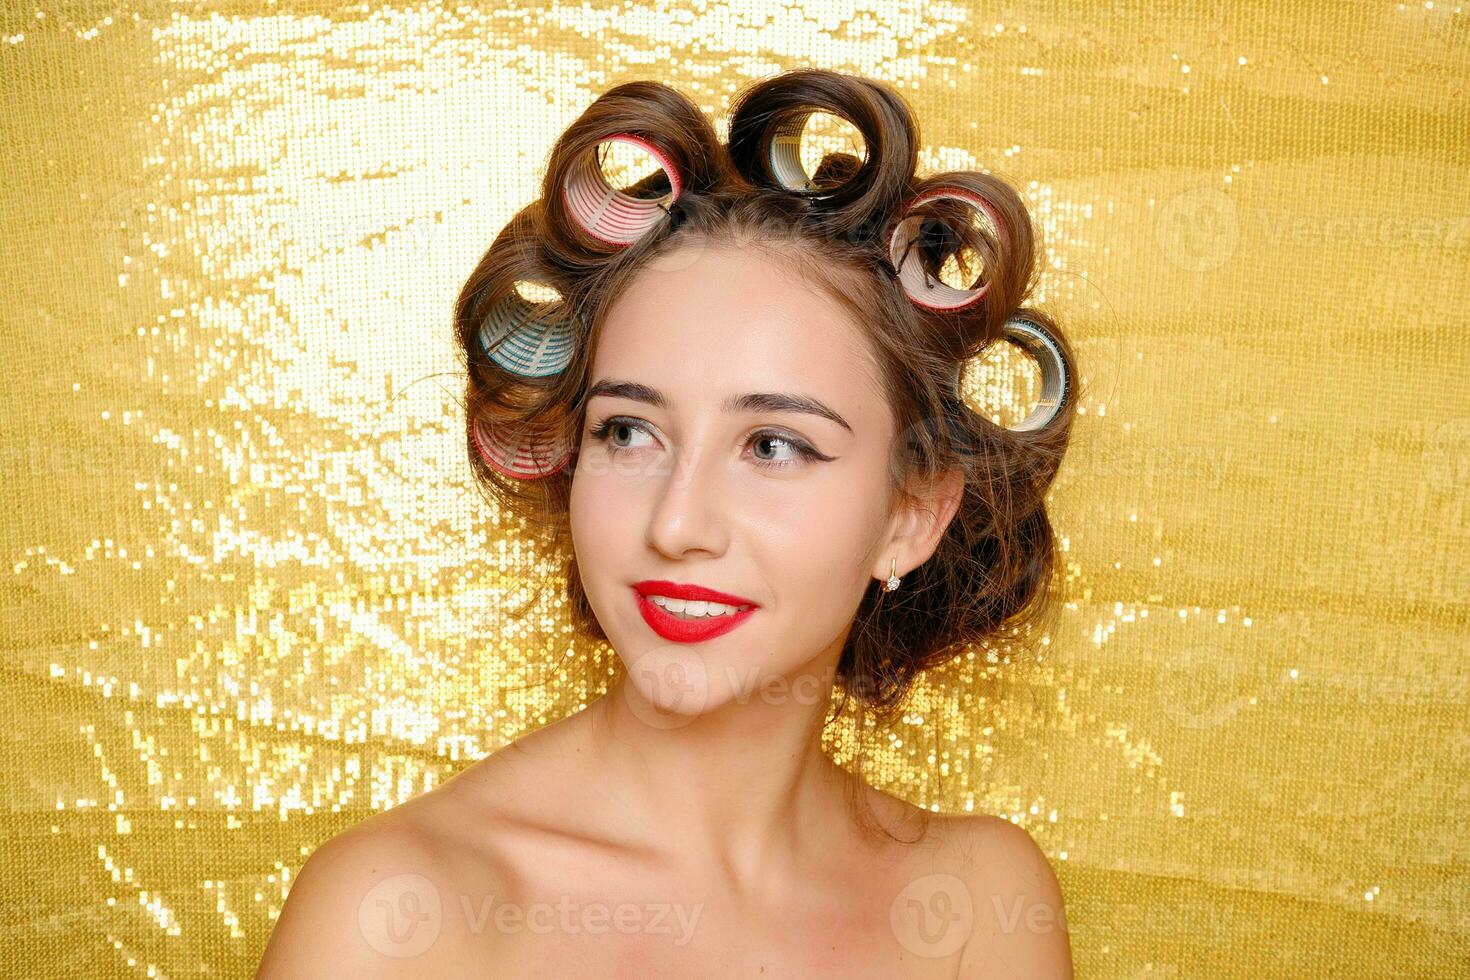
{"x":698,"y":467}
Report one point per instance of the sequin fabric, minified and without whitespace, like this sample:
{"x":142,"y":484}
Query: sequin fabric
{"x":250,"y":596}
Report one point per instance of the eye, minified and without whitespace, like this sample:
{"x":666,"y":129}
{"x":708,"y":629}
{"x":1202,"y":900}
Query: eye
{"x":604,"y":429}
{"x":798,"y":450}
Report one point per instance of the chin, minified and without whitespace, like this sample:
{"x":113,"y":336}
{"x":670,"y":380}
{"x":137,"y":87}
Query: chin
{"x":672,"y":684}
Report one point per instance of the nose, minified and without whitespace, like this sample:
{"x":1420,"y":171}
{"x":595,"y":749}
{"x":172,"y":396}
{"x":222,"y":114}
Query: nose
{"x":689,"y":515}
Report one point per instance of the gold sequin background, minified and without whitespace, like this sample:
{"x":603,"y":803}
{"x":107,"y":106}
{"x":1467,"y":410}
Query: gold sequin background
{"x":250,"y":595}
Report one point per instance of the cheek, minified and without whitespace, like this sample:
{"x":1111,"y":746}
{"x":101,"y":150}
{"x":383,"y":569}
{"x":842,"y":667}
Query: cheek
{"x":606,"y":508}
{"x":819,"y":533}
{"x":592,"y":505}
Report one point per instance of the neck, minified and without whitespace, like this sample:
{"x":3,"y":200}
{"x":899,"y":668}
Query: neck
{"x":742,"y":789}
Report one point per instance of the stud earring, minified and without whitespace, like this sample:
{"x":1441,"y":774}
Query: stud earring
{"x":893,"y":579}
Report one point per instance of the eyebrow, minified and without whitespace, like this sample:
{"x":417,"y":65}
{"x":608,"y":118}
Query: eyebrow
{"x":758,"y":401}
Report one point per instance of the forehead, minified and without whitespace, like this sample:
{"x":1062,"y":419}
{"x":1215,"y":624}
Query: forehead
{"x":711,"y":321}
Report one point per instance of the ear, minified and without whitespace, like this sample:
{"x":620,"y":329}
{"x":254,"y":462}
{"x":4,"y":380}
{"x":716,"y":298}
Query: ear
{"x":915,"y":529}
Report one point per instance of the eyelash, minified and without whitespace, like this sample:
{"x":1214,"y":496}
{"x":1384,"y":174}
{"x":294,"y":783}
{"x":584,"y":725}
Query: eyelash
{"x":804,"y":451}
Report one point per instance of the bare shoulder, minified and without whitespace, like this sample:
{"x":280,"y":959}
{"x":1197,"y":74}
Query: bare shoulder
{"x":321,"y":926}
{"x":1019,"y":920}
{"x":377,"y":900}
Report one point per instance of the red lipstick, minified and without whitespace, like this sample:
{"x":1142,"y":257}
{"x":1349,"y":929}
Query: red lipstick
{"x":672,"y":627}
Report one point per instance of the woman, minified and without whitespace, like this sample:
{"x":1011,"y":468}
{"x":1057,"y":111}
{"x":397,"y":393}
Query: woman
{"x":739,"y":420}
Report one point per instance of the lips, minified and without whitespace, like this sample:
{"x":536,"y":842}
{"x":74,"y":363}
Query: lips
{"x":678,"y":630}
{"x":678,"y":590}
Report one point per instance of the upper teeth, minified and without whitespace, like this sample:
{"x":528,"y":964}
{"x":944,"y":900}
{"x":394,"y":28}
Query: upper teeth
{"x":694,"y":607}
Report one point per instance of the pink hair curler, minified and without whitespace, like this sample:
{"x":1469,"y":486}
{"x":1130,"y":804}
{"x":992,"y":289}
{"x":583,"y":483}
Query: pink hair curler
{"x":929,"y":292}
{"x":523,"y":461}
{"x":611,"y":215}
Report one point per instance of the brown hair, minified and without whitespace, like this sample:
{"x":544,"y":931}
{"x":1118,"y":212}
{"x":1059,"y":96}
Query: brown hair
{"x":993,"y":574}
